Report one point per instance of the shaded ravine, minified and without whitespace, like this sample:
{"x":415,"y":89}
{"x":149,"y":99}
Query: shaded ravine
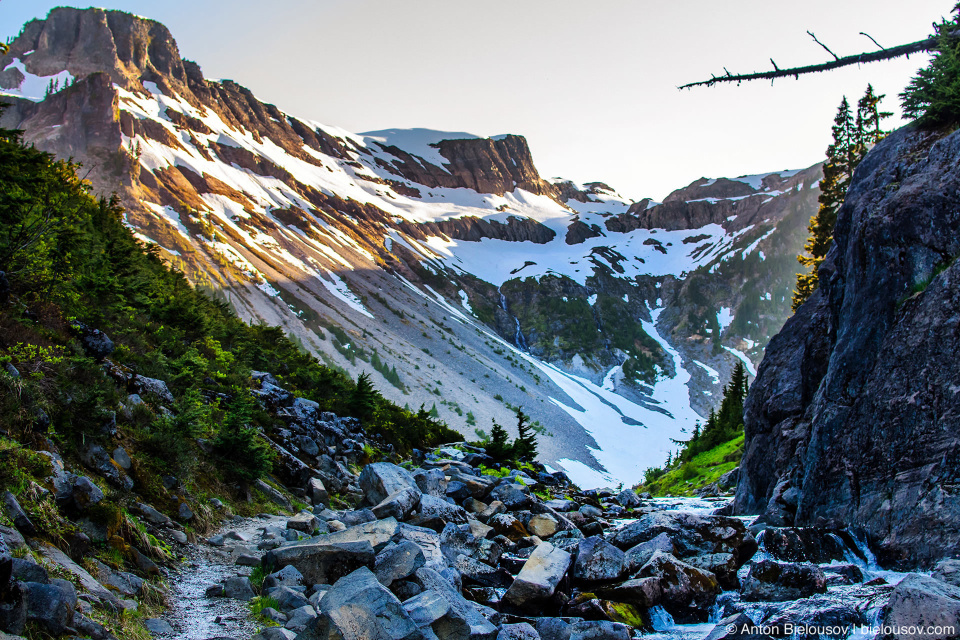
{"x":196,"y":616}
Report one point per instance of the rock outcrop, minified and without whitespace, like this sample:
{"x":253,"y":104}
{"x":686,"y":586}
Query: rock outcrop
{"x":853,"y":418}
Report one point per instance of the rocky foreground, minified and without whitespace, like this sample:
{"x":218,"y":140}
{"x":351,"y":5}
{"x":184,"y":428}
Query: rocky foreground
{"x":450,"y":546}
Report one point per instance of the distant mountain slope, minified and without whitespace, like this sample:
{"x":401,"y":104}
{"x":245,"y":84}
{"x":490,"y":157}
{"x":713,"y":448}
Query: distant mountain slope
{"x":444,"y":262}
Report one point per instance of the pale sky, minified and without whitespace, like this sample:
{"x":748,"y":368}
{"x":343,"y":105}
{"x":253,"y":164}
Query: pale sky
{"x":592,"y":85}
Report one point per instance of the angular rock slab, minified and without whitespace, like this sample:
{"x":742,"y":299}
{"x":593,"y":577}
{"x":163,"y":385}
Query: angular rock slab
{"x":540,"y":575}
{"x":322,"y":562}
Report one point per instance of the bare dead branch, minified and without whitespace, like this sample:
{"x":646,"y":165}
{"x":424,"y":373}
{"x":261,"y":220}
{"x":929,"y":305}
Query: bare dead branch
{"x":835,"y":56}
{"x":860,"y":58}
{"x":871,"y":39}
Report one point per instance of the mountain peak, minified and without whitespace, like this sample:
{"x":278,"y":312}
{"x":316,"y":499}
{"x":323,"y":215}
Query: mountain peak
{"x":129,"y":48}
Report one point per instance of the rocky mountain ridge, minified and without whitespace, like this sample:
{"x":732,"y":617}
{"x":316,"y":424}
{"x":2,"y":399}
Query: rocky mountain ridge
{"x":448,"y":257}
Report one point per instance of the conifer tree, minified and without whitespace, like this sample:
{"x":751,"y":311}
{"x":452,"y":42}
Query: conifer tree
{"x":852,"y":138}
{"x":365,"y":397}
{"x":933,"y":96}
{"x":499,"y":446}
{"x":525,"y":446}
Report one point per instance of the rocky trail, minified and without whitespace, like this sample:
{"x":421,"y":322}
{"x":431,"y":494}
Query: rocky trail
{"x":195,"y":615}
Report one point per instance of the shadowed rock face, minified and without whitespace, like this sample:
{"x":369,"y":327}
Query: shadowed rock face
{"x":854,"y":419}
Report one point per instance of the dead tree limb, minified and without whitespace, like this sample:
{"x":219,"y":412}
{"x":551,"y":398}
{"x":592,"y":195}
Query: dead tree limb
{"x":860,"y":58}
{"x":835,"y":56}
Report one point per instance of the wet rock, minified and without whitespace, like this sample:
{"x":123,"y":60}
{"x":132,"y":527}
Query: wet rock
{"x":238,"y":588}
{"x":842,"y":574}
{"x":628,"y":499}
{"x":637,"y":556}
{"x":729,"y":480}
{"x":381,"y":479}
{"x":688,"y":592}
{"x":519,"y":631}
{"x":921,"y":601}
{"x":359,"y":607}
{"x":948,"y":571}
{"x":17,"y":515}
{"x":736,"y":626}
{"x":539,"y":577}
{"x":599,"y":630}
{"x":597,"y":560}
{"x":721,"y":565}
{"x":769,"y":580}
{"x":322,"y":562}
{"x":434,"y":513}
{"x":398,"y":562}
{"x":692,"y":534}
{"x":398,"y":505}
{"x":642,"y":593}
{"x":807,"y":544}
{"x":51,"y":606}
{"x":461,"y":611}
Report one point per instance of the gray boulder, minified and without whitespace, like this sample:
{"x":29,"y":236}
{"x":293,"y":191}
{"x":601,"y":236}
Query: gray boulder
{"x":238,"y":588}
{"x":687,"y":592}
{"x":317,"y":492}
{"x":381,"y":479}
{"x":17,"y":515}
{"x":513,"y":496}
{"x":599,"y":630}
{"x":153,"y":388}
{"x":721,"y":565}
{"x":737,"y":626}
{"x":691,"y":533}
{"x":539,"y":577}
{"x":948,"y":571}
{"x":51,"y":606}
{"x":597,"y":560}
{"x":358,"y":607}
{"x":398,"y":505}
{"x":768,"y":580}
{"x":642,"y":593}
{"x":434,"y":513}
{"x":920,"y":601}
{"x":431,"y":481}
{"x":377,"y":532}
{"x":398,"y":562}
{"x":478,"y":627}
{"x":320,"y":561}
{"x":637,"y":556}
{"x":158,"y":626}
{"x":628,"y":499}
{"x":520,"y":631}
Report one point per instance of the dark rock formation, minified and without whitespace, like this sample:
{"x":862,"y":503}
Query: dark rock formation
{"x":853,"y":418}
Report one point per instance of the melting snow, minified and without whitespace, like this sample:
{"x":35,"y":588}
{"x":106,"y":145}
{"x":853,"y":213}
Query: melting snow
{"x":744,"y":359}
{"x":35,"y":87}
{"x":711,"y":371}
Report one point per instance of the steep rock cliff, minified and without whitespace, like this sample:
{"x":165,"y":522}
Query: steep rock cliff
{"x":854,"y":418}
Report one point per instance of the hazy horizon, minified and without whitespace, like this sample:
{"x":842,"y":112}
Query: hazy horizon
{"x":592,"y":89}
